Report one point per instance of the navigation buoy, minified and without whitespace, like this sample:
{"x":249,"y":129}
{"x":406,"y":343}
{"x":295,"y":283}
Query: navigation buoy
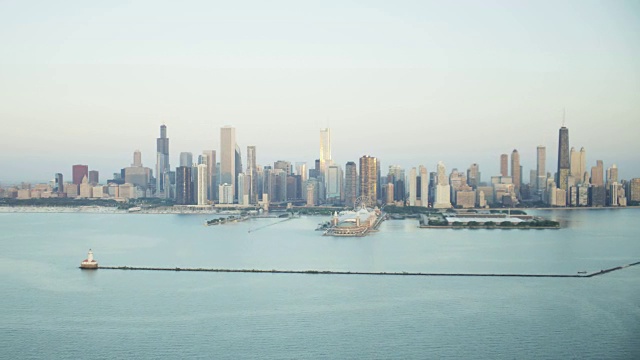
{"x":89,"y":263}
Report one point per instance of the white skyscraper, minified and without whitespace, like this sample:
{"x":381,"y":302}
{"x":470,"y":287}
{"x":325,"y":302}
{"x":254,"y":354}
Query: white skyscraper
{"x":413,"y":186}
{"x":443,"y":190}
{"x":325,"y":158}
{"x":424,"y":186}
{"x":228,"y":157}
{"x":202,"y":184}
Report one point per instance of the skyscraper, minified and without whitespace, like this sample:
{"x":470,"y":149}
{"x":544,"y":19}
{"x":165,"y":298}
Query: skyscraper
{"x":413,"y":186}
{"x":473,"y":176}
{"x":186,"y":159}
{"x":162,"y":160}
{"x":541,"y":159}
{"x":504,"y":165}
{"x":252,"y":173}
{"x":564,"y":161}
{"x":137,"y":159}
{"x":78,"y":173}
{"x":597,"y":174}
{"x":325,"y":149}
{"x":94,"y":177}
{"x":516,"y":173}
{"x":58,"y":184}
{"x":350,"y":184}
{"x":443,"y":189}
{"x":424,"y":186}
{"x":369,"y":179}
{"x":228,"y":156}
{"x":202,"y":184}
{"x":212,"y":178}
{"x":183,"y":185}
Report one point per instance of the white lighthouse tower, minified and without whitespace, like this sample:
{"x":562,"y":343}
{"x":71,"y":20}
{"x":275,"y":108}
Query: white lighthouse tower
{"x":89,"y":263}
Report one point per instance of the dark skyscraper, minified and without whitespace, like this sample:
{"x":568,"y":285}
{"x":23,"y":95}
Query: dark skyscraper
{"x":350,"y":184}
{"x":79,"y":172}
{"x":94,"y":177}
{"x":162,"y":161}
{"x":183,"y":185}
{"x":564,"y":162}
{"x":59,"y":184}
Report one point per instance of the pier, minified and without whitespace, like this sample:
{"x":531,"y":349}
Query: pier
{"x":331,"y":272}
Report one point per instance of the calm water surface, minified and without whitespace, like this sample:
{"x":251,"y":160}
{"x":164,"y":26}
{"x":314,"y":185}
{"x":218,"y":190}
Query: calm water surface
{"x":51,"y":309}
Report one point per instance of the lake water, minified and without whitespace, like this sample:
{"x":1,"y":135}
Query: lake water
{"x":51,"y":309}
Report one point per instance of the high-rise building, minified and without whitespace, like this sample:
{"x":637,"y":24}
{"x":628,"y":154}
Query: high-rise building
{"x":162,"y":160}
{"x":325,"y":149}
{"x":504,"y":165}
{"x":94,"y":177}
{"x":350,"y":184}
{"x":516,"y":171}
{"x":202,"y":184}
{"x":334,"y":184}
{"x":634,"y":190}
{"x":541,"y":159}
{"x":243,"y":189}
{"x":301,"y":169}
{"x":212,"y":174}
{"x":369,"y":179}
{"x":612,"y":174}
{"x":58,"y":186}
{"x":413,"y":186}
{"x":473,"y":176}
{"x":443,"y":189}
{"x":564,"y":160}
{"x":252,"y":173}
{"x":228,"y":157}
{"x":186,"y":159}
{"x":284,"y":166}
{"x":183,"y":185}
{"x":238,"y":166}
{"x":424,"y":186}
{"x":137,"y":159}
{"x":597,"y":174}
{"x":78,"y":173}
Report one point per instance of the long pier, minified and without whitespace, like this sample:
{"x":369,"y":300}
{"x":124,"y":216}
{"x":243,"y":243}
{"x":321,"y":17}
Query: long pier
{"x":330,"y":272}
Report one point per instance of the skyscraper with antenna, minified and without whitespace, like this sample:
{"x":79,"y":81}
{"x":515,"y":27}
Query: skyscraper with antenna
{"x":564,"y":160}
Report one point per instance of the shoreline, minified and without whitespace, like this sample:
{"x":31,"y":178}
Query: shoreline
{"x":213,"y":211}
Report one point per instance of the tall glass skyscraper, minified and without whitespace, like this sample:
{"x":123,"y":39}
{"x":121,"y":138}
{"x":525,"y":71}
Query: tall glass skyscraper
{"x":228,"y":157}
{"x":162,"y":159}
{"x":564,"y":160}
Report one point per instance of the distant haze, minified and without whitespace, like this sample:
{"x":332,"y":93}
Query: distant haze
{"x":410,"y":82}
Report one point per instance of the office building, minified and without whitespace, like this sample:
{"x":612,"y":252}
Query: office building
{"x":183,"y":185}
{"x":94,"y":177}
{"x":413,"y":186}
{"x":202,"y":184}
{"x":473,"y":176}
{"x":369,"y":179}
{"x":564,"y":160}
{"x":79,"y":172}
{"x":212,"y":177}
{"x":58,"y":186}
{"x":504,"y":165}
{"x":516,"y":171}
{"x":228,"y":158}
{"x":424,"y":186}
{"x":252,"y":174}
{"x":162,"y":161}
{"x":541,"y":169}
{"x":350,"y":184}
{"x":597,"y":174}
{"x":443,"y":189}
{"x":186,"y":159}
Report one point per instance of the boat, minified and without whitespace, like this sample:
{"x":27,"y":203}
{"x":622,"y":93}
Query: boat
{"x":89,"y":263}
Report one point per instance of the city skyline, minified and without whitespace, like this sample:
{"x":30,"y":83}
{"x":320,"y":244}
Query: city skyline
{"x":410,"y":89}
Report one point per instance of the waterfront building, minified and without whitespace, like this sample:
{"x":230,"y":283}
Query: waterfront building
{"x":227,"y":158}
{"x":466,"y":199}
{"x":597,"y":196}
{"x":94,"y":177}
{"x":202,"y":184}
{"x":424,"y":185}
{"x":79,"y":172}
{"x":226,"y":193}
{"x":597,"y":174}
{"x":186,"y":159}
{"x":487,"y":192}
{"x":369,"y":179}
{"x":634,"y":190}
{"x":127,"y":191}
{"x":71,"y":190}
{"x":98,"y":192}
{"x":162,"y":161}
{"x":243,"y":189}
{"x":389,"y":194}
{"x":58,"y":184}
{"x":482,"y":202}
{"x":183,"y":185}
{"x":504,"y":165}
{"x":443,"y":190}
{"x":564,"y":161}
{"x":578,"y":164}
{"x":516,"y":173}
{"x":351,"y":184}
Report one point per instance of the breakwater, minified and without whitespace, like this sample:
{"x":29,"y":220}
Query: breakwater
{"x":364,"y":273}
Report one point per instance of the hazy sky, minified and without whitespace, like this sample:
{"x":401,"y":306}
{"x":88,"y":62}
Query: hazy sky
{"x":410,"y":82}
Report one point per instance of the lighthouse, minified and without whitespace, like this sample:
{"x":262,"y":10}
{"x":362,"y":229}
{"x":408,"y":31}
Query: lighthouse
{"x":89,"y":263}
